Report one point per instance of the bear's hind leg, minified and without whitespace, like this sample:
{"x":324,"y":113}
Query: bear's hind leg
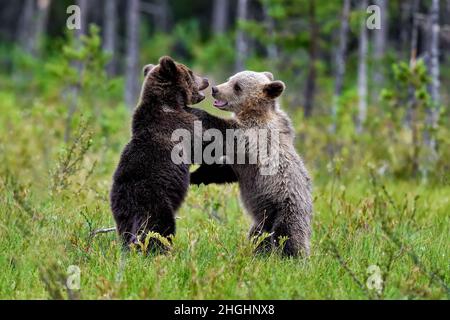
{"x":296,"y":233}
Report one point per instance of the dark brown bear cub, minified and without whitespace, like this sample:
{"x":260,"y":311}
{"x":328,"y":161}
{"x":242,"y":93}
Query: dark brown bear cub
{"x":148,"y":187}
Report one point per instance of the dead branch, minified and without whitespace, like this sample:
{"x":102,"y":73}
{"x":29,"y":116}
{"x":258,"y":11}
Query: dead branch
{"x":103,"y":230}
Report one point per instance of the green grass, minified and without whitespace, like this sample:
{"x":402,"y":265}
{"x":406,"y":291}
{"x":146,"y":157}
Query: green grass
{"x":211,"y":256}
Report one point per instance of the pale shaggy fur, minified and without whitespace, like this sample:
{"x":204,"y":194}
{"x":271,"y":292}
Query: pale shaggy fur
{"x":280,"y":204}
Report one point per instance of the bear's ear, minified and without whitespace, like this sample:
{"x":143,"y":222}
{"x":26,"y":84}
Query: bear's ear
{"x":274,"y":89}
{"x":147,"y":69}
{"x":268,"y":75}
{"x":168,"y":66}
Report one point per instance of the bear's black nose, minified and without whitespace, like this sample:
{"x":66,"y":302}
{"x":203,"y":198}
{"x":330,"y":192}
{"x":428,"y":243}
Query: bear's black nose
{"x":214,"y":90}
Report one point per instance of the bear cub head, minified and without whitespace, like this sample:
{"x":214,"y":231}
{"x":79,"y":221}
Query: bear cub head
{"x":172,"y":84}
{"x":247,"y":89}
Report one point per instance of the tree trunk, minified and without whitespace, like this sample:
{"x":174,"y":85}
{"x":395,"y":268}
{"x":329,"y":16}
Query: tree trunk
{"x":310,"y":88}
{"x":362,"y":71}
{"x":415,"y":32}
{"x":411,"y":116}
{"x":220,"y":16}
{"x":110,"y":33}
{"x":434,"y":53}
{"x":84,"y":7}
{"x":405,"y":9}
{"x":380,"y":48}
{"x":413,"y":10}
{"x":241,"y":39}
{"x":340,"y":61}
{"x":43,"y":7}
{"x":433,"y":110}
{"x":25,"y":29}
{"x":132,"y":54}
{"x":75,"y":89}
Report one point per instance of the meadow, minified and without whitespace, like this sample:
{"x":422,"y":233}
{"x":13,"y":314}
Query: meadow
{"x":375,"y":235}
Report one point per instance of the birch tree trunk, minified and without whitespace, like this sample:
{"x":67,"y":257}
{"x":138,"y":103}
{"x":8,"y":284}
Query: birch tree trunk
{"x":413,"y":8}
{"x":340,"y":61}
{"x":380,"y":48}
{"x":362,"y":71}
{"x":220,"y":16}
{"x":434,"y":54}
{"x":433,"y":110}
{"x":132,"y":54}
{"x":411,"y":116}
{"x":110,"y":33}
{"x":241,"y":41}
{"x":310,"y":88}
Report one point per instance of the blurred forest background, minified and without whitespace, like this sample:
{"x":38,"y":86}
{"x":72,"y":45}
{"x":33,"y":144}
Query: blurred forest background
{"x":371,"y":108}
{"x":351,"y":79}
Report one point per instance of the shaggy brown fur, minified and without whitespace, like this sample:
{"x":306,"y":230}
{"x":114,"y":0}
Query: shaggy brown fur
{"x":280,"y":204}
{"x":148,"y":187}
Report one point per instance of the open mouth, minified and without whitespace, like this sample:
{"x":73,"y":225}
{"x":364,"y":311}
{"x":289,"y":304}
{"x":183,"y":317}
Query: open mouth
{"x":220,"y":104}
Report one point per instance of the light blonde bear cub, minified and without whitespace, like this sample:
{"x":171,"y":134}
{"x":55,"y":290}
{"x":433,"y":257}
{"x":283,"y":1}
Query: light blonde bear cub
{"x":279,"y":203}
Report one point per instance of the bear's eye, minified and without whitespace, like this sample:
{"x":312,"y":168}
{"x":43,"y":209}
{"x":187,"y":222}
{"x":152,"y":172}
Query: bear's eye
{"x":237,"y":87}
